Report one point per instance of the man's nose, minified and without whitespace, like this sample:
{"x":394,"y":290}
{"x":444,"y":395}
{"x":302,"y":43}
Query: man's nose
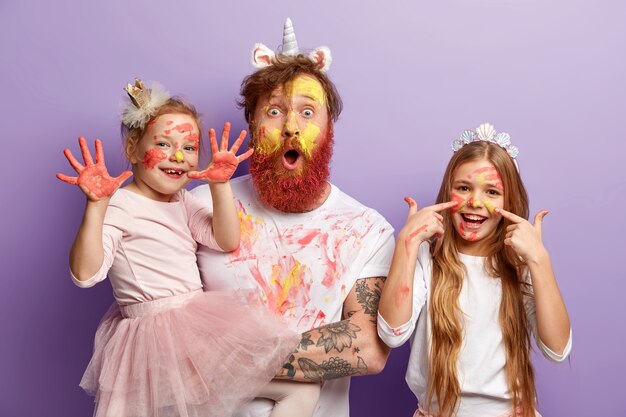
{"x":291,"y":127}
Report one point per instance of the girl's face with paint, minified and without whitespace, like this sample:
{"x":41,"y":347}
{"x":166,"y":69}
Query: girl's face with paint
{"x":478,"y":189}
{"x":165,"y":153}
{"x":291,"y":121}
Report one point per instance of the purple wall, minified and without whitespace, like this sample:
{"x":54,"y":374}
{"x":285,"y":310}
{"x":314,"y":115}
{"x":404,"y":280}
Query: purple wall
{"x":413,"y":75}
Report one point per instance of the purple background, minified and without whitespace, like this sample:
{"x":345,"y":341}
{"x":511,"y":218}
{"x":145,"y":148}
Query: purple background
{"x":412,"y":74}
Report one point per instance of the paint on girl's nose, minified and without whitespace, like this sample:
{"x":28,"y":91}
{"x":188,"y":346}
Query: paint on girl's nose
{"x":179,"y":156}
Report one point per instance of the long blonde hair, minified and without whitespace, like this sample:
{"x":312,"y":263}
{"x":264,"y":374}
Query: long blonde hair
{"x":447,"y":280}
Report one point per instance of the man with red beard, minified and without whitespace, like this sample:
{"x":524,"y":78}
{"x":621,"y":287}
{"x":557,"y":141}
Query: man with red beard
{"x":313,"y":254}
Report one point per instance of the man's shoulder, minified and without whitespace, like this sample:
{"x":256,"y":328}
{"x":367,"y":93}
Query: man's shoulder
{"x":344,"y":201}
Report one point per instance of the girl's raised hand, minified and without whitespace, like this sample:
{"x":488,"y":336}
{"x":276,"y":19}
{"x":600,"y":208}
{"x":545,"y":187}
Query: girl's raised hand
{"x":93,"y":179}
{"x":523,"y":237}
{"x":423,"y":224}
{"x":224,"y":162}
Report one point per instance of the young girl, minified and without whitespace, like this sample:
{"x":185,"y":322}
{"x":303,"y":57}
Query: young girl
{"x":470,"y":280}
{"x":166,"y":348}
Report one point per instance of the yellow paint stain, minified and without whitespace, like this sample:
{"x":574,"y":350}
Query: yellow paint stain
{"x":476,"y":204}
{"x":490,"y":206}
{"x":269,"y":142}
{"x":292,"y":280}
{"x":326,"y":299}
{"x":308,"y":138}
{"x":179,"y":156}
{"x":309,"y":87}
{"x":247,"y":223}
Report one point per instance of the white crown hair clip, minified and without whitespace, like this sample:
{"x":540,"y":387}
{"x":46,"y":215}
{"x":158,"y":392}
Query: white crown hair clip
{"x":486,"y":132}
{"x":262,"y":56}
{"x":144,"y":103}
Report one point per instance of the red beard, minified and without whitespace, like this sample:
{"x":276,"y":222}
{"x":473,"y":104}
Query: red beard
{"x":290,"y":191}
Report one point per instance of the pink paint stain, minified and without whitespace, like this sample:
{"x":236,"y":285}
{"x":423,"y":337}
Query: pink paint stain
{"x":153,"y":157}
{"x":193,"y":137}
{"x":407,"y":243}
{"x":402,"y":295}
{"x":169,"y":122}
{"x":153,"y":121}
{"x":319,"y":319}
{"x":473,"y":237}
{"x":184,"y":128}
{"x":397,"y":332}
{"x":460,"y":202}
{"x":168,"y":131}
{"x":309,"y":237}
{"x":462,"y":230}
{"x":98,"y":186}
{"x":155,"y":139}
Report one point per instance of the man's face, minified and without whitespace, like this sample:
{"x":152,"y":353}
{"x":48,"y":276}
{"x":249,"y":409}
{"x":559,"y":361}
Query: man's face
{"x":292,"y":140}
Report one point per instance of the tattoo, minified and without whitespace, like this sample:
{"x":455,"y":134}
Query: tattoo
{"x":337,"y":335}
{"x":291,"y":370}
{"x":335,"y":367}
{"x":368,"y":297}
{"x":349,"y":314}
{"x":306,"y":341}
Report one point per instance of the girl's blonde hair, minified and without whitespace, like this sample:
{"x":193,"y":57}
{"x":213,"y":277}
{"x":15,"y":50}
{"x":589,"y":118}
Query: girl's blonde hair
{"x":448,"y":272}
{"x":132,"y":136}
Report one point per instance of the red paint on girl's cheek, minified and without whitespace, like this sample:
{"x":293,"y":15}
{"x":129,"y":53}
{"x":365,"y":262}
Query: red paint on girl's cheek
{"x":153,"y":157}
{"x":460,"y":202}
{"x":462,"y":229}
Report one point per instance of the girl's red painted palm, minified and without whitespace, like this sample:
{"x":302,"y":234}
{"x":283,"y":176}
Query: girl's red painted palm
{"x":93,"y":178}
{"x":224,"y":162}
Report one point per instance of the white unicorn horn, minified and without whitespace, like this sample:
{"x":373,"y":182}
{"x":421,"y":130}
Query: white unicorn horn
{"x":290,"y":44}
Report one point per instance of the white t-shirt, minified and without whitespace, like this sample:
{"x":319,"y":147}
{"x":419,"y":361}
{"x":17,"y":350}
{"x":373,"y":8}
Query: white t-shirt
{"x":303,"y":265}
{"x":480,"y":369}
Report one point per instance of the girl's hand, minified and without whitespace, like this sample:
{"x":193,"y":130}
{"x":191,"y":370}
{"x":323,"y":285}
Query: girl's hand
{"x":224,"y":162}
{"x":423,"y":224}
{"x":523,"y":237}
{"x":93,"y":179}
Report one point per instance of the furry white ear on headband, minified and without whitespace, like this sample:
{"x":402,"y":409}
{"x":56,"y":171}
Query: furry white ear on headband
{"x":321,"y":57}
{"x":262,"y":56}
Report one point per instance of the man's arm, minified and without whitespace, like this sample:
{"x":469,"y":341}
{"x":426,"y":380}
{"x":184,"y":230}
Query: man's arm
{"x":345,"y":348}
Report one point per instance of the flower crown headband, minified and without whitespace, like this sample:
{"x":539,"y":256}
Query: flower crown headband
{"x":262,"y":56}
{"x":144,"y":103}
{"x":487,"y":133}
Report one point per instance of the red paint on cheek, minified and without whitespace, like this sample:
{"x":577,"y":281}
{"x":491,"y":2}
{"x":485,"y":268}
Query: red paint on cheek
{"x":153,"y":157}
{"x":459,"y":202}
{"x":462,"y":229}
{"x":473,"y":237}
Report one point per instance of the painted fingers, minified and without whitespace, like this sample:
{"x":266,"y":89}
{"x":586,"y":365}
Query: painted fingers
{"x":224,"y":162}
{"x":93,"y":178}
{"x":423,"y":224}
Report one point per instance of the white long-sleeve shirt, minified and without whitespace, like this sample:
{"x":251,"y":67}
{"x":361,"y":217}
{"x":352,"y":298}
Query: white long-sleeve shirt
{"x":481,"y":365}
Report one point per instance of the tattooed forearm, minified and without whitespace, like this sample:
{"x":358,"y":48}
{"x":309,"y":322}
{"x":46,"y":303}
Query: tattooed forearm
{"x":334,"y":367}
{"x":368,"y":295}
{"x":337,"y":335}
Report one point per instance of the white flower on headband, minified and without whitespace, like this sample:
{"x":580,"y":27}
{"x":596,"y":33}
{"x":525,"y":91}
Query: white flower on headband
{"x":143,"y":104}
{"x":262,"y":56}
{"x":486,"y":132}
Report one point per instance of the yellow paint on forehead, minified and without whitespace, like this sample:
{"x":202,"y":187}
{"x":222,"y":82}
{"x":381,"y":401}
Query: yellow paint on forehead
{"x":307,"y":86}
{"x":308,"y":138}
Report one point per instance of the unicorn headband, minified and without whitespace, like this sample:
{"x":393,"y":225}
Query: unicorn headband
{"x":144,"y":103}
{"x":262,"y":56}
{"x":487,"y":133}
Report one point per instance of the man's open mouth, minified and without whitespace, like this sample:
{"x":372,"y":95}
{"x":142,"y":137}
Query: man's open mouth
{"x":290,"y":159}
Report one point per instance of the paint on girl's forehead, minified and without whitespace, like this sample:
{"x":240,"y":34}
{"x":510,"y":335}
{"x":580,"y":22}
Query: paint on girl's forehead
{"x":153,"y":121}
{"x":153,"y":157}
{"x":184,"y":128}
{"x":169,"y":122}
{"x":155,"y":139}
{"x":193,"y":137}
{"x":309,"y":87}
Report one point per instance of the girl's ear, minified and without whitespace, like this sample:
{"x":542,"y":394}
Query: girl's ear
{"x":130,"y":149}
{"x":321,"y":57}
{"x":262,"y":56}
